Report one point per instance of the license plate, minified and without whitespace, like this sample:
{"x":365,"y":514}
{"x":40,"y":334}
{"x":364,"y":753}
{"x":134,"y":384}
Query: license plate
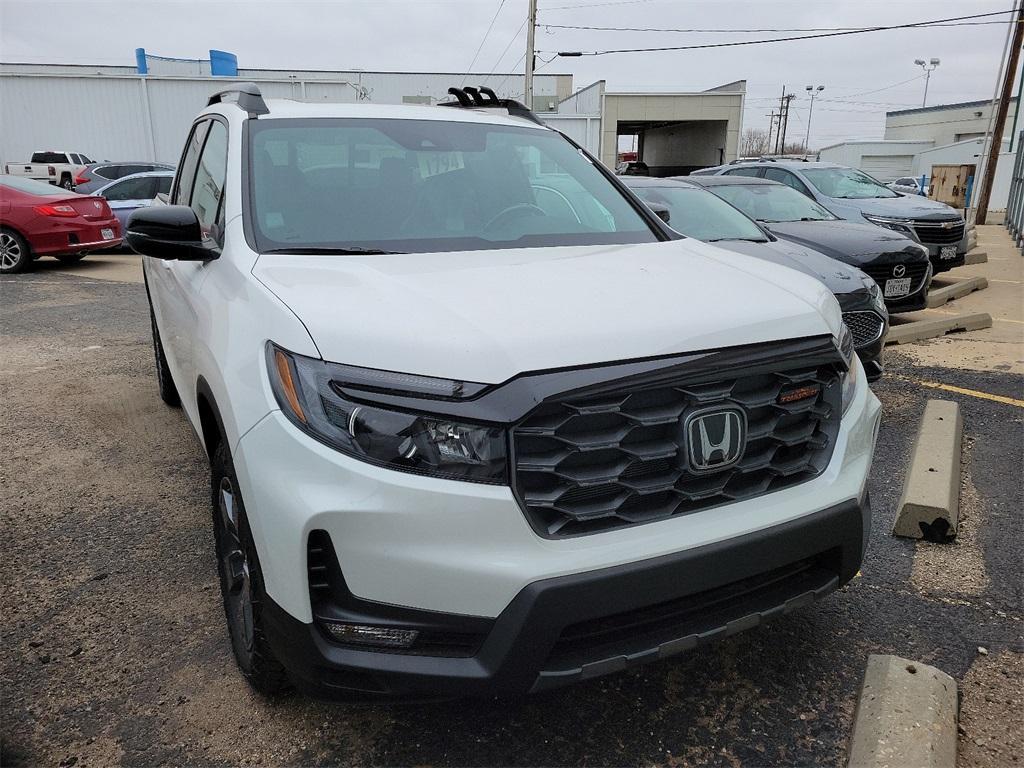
{"x":896,"y":288}
{"x":947,"y":252}
{"x":107,"y":234}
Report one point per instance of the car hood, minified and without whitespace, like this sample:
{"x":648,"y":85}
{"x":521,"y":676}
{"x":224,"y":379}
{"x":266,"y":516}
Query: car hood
{"x":486,"y":316}
{"x":849,"y":241}
{"x":904,"y":206}
{"x":849,"y":285}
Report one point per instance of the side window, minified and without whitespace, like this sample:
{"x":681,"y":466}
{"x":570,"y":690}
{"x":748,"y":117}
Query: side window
{"x":210,"y":177}
{"x":787,"y":178}
{"x":187,"y":171}
{"x":105,"y":171}
{"x":85,"y":159}
{"x":131,"y":189}
{"x":749,"y":171}
{"x":76,"y":159}
{"x":163,"y":184}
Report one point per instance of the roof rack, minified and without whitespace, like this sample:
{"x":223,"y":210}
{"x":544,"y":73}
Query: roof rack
{"x":485,"y":98}
{"x":247,"y":96}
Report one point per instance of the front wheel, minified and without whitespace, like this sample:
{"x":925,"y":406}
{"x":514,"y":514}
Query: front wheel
{"x":14,"y":252}
{"x":241,"y":580}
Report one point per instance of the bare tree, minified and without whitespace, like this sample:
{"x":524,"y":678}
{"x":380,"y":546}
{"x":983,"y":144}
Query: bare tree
{"x":754,"y":143}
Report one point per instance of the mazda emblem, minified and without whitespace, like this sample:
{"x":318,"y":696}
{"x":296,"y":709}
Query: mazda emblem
{"x":899,"y":270}
{"x":716,"y":438}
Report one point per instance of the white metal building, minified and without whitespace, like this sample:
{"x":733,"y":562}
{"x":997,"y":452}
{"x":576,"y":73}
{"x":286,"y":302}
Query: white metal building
{"x":116,"y":113}
{"x":885,"y":160}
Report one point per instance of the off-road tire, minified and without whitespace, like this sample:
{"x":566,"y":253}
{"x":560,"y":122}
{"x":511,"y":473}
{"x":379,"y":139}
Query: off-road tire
{"x":241,"y":580}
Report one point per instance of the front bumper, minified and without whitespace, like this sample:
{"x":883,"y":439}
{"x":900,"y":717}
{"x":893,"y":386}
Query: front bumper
{"x":940,"y":264}
{"x":580,"y":626}
{"x":414,"y":548}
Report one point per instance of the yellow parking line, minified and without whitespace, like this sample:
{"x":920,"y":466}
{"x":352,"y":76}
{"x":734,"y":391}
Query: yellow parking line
{"x":974,"y":393}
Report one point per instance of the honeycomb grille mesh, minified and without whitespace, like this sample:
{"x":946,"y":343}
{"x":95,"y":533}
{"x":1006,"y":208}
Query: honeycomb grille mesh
{"x":866,"y":327}
{"x":584,"y":465}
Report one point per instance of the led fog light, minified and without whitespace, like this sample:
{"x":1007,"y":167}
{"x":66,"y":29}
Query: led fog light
{"x":361,"y":634}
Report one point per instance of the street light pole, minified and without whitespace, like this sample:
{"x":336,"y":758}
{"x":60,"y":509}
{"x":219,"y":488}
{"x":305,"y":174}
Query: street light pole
{"x":810,"y":113}
{"x":931,"y":65}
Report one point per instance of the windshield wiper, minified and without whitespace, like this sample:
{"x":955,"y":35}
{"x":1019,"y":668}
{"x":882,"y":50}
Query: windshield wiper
{"x":739,"y":239}
{"x":338,"y":251}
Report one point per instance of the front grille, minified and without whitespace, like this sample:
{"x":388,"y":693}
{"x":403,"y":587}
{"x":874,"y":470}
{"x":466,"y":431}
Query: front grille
{"x":588,"y":464}
{"x":693,"y":614}
{"x":930,"y":231}
{"x":916,"y":271}
{"x":866,"y":327}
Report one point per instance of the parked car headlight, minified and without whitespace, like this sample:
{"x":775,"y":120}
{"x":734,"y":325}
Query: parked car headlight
{"x":877,"y":300}
{"x":309,"y":392}
{"x":903,"y":226}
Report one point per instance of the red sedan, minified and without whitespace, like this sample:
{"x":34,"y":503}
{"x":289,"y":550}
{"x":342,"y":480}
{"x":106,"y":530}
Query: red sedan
{"x":38,"y":219}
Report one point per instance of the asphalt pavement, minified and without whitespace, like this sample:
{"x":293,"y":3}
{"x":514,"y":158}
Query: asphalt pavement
{"x":114,"y":649}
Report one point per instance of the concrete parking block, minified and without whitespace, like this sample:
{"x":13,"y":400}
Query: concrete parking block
{"x":976,"y":257}
{"x":906,"y":716}
{"x":905,"y":333}
{"x":930,"y":505}
{"x":943,"y":291}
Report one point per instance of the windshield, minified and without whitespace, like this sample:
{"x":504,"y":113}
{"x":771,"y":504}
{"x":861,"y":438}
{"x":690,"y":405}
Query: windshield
{"x":427,"y":185}
{"x":701,"y":215}
{"x":772,"y":202}
{"x":846,"y":183}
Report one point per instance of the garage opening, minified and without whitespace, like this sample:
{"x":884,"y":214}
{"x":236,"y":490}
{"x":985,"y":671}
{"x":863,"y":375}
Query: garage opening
{"x":676,"y":147}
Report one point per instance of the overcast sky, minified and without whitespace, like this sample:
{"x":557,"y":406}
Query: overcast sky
{"x":442,"y":36}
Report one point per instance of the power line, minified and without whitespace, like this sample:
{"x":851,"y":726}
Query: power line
{"x":593,"y":5}
{"x":912,"y":25}
{"x":482,"y":41}
{"x":751,"y":31}
{"x":502,"y":55}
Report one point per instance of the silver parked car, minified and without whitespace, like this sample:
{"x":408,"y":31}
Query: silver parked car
{"x":908,"y":185}
{"x":136,"y":191}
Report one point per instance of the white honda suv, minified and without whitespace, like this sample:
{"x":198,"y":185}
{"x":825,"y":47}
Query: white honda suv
{"x":479,"y":422}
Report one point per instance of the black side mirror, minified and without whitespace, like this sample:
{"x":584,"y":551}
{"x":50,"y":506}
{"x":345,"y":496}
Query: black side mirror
{"x":169,"y":232}
{"x":661,"y":211}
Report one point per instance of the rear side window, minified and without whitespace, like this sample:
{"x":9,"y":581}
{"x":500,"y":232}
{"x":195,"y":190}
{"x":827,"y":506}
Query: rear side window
{"x":787,"y":178}
{"x":105,"y":171}
{"x":76,"y":159}
{"x":187,"y":173}
{"x":163,"y":184}
{"x":210,"y":176}
{"x":755,"y":172}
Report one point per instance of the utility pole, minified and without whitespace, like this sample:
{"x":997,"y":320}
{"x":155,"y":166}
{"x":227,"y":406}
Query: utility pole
{"x":785,"y":121}
{"x":782,"y":107}
{"x":771,"y":129}
{"x":996,"y":139}
{"x":531,"y":29}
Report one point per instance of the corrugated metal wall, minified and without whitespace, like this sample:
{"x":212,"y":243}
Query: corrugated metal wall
{"x":105,"y":116}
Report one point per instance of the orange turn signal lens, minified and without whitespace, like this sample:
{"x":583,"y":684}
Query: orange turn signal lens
{"x":284,"y":373}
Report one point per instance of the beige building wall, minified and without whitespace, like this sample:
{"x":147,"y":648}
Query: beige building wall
{"x":944,"y":125}
{"x":665,"y":107}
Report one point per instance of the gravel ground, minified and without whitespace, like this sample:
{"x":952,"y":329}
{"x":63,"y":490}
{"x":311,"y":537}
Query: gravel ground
{"x":114,"y":649}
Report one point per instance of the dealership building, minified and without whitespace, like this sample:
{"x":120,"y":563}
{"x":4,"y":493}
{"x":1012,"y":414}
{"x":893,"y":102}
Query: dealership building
{"x":143,"y":111}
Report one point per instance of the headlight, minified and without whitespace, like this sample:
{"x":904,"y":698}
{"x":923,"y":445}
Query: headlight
{"x":877,"y":300}
{"x":849,"y":379}
{"x":309,"y":392}
{"x":903,"y":226}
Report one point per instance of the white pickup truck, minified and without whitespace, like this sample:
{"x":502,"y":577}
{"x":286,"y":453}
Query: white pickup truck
{"x":58,"y":168}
